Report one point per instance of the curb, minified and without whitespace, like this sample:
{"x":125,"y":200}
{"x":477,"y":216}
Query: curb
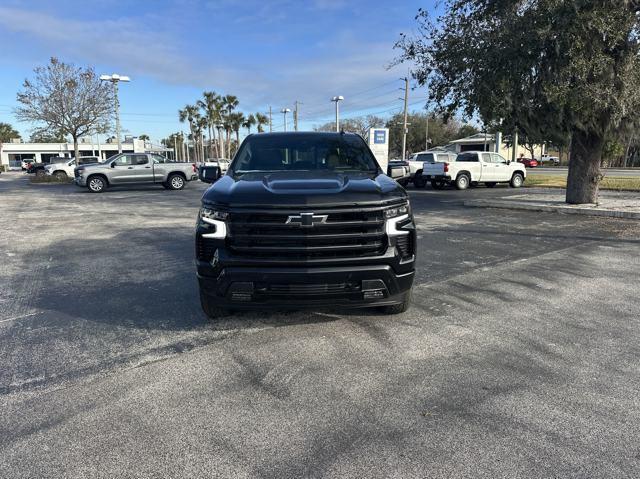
{"x":512,"y":205}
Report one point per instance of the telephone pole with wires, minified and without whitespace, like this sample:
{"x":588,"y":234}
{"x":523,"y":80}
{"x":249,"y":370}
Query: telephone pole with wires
{"x":404,"y":122}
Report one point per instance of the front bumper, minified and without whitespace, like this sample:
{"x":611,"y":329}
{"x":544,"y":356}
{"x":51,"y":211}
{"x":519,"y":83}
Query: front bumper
{"x":299,"y":288}
{"x":80,"y":181}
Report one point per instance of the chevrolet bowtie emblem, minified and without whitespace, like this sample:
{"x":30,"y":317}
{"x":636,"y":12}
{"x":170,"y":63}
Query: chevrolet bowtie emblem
{"x":306,"y":220}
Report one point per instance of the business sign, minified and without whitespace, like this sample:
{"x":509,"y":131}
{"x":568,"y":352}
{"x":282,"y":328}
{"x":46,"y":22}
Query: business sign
{"x":378,"y":141}
{"x":380,"y":137}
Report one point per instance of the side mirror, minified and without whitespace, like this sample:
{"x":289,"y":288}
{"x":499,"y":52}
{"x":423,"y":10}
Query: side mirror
{"x":113,"y":165}
{"x":508,"y":162}
{"x":208,"y":174}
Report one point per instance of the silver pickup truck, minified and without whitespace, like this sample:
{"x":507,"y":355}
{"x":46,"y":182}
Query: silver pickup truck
{"x":135,"y":168}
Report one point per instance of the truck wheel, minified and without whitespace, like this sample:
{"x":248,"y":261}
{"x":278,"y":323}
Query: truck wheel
{"x":516,"y":180}
{"x":60,"y":175}
{"x":96,"y":184}
{"x":175,"y":182}
{"x":210,"y":309}
{"x":490,"y":184}
{"x":437,"y":184}
{"x":462,"y":182}
{"x":418,"y":180}
{"x":399,"y":308}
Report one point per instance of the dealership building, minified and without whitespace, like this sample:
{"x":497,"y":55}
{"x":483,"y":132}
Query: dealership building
{"x":13,"y":152}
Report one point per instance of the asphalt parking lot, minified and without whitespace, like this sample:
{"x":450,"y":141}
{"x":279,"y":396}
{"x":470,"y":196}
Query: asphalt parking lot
{"x":520,"y":355}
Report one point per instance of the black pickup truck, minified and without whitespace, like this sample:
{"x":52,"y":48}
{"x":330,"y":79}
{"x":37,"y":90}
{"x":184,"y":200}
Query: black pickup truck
{"x":305,"y":220}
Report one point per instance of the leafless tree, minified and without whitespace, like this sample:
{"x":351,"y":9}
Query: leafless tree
{"x":66,"y":99}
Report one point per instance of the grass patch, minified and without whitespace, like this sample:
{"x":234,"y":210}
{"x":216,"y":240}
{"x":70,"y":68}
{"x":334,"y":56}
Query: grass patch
{"x":608,"y":183}
{"x":50,"y":179}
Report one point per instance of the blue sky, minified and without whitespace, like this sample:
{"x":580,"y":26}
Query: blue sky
{"x":269,"y":52}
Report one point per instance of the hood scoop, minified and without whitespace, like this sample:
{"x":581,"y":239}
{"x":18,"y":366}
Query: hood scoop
{"x":298,"y":182}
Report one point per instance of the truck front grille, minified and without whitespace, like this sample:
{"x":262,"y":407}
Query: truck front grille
{"x":344,"y":234}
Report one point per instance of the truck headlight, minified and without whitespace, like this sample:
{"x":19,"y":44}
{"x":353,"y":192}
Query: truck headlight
{"x":397,"y":218}
{"x":397,"y":211}
{"x":214,"y":220}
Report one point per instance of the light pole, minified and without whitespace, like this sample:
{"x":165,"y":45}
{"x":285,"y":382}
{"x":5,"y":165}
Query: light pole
{"x":337,"y":100}
{"x":284,"y":111}
{"x":115,"y":79}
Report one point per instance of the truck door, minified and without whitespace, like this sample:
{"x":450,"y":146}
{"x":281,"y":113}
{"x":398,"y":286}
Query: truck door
{"x":503,"y":170}
{"x":142,"y":169}
{"x":489,"y":168}
{"x":122,"y":169}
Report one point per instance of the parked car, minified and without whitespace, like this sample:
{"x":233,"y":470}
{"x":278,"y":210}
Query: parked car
{"x":475,"y":167}
{"x":305,"y":219}
{"x":417,"y":161}
{"x":135,"y":168}
{"x":554,"y":160}
{"x":399,"y":170}
{"x":25,"y":164}
{"x":528,"y":162}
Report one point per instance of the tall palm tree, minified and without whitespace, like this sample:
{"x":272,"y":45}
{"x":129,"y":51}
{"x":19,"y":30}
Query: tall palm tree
{"x":261,"y":120}
{"x":211,"y":105}
{"x":237,"y":121}
{"x":229,"y":104}
{"x":249,"y":122}
{"x":189,"y":114}
{"x":202,"y":122}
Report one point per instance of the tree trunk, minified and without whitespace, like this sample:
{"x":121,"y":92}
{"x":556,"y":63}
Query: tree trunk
{"x":584,"y":168}
{"x":76,"y":149}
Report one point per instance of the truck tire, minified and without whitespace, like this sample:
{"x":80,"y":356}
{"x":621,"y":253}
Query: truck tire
{"x":418,"y":180}
{"x":399,"y":308}
{"x":490,"y":184}
{"x":437,"y":184}
{"x":96,"y":184}
{"x":175,"y":182}
{"x":462,"y":181}
{"x":60,"y":175}
{"x":517,"y":180}
{"x":210,"y":309}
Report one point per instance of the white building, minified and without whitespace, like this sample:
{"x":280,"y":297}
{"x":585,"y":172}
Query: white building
{"x":12,"y":153}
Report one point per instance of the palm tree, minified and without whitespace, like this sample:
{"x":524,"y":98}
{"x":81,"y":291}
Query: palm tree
{"x":202,"y":123}
{"x":236,"y":122}
{"x":260,"y":121}
{"x":189,"y":114}
{"x":249,"y":122}
{"x":144,"y":137}
{"x":211,"y":105}
{"x":229,"y":104}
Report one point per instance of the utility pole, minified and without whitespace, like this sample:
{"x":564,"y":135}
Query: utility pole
{"x":404,"y":126}
{"x":295,"y":115}
{"x":337,"y":100}
{"x":427,"y":133}
{"x":270,"y":121}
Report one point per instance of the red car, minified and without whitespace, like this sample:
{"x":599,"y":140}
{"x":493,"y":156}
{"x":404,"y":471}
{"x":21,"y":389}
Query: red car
{"x":528,"y":162}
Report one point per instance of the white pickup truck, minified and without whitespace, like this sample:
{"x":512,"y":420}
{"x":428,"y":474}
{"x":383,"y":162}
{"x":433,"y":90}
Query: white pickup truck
{"x":475,"y":167}
{"x":417,"y":160}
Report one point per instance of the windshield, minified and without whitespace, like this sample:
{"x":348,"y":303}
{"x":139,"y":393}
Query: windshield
{"x":300,"y":152}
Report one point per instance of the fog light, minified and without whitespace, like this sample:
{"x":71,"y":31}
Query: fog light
{"x":375,"y":294}
{"x":245,"y":297}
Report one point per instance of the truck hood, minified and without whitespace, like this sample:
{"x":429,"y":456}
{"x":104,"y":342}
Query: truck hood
{"x":303,"y":188}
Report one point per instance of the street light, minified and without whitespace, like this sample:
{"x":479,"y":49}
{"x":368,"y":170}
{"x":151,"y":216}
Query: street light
{"x":337,"y":100}
{"x":115,"y":79}
{"x":284,"y":111}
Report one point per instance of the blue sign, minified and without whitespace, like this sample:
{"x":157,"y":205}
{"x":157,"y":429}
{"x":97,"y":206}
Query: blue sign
{"x":379,"y":136}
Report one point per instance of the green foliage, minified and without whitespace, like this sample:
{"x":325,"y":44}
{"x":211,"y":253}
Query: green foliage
{"x":359,"y":124}
{"x":144,"y":137}
{"x":548,"y":68}
{"x":7,"y":132}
